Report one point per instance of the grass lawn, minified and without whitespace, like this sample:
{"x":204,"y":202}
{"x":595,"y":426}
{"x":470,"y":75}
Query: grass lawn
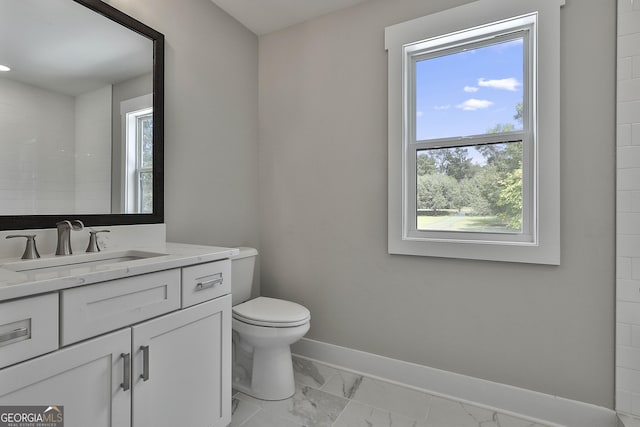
{"x":454,"y":222}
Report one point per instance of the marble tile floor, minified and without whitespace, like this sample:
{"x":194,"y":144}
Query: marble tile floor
{"x":329,"y":397}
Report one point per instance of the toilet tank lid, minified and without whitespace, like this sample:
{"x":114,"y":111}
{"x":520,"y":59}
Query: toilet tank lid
{"x":245,"y":253}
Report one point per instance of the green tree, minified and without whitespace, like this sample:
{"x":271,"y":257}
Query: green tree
{"x":463,"y":194}
{"x":487,"y":203}
{"x":500,"y":181}
{"x":435,"y":191}
{"x":510,"y":157}
{"x":510,"y":199}
{"x":499,"y":128}
{"x":425,"y":164}
{"x":519,"y":112}
{"x":454,"y":162}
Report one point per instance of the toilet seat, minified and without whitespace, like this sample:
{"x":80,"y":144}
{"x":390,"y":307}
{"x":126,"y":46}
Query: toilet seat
{"x":271,"y":312}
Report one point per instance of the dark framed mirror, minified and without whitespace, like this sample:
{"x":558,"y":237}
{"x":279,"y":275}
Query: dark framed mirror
{"x":81,"y":115}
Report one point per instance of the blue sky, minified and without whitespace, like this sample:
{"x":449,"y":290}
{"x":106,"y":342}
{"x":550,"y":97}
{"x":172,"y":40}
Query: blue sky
{"x":469,"y":92}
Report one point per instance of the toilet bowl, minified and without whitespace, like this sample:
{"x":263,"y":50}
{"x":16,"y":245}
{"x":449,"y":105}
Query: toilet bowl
{"x":263,"y":331}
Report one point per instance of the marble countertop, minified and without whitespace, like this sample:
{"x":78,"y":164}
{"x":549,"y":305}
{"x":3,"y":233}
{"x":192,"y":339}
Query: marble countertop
{"x":84,"y":269}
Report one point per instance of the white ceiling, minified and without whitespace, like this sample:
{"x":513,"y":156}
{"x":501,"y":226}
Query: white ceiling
{"x":62,"y":46}
{"x":265,"y":16}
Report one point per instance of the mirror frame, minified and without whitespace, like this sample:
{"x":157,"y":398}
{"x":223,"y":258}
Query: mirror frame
{"x":21,"y":222}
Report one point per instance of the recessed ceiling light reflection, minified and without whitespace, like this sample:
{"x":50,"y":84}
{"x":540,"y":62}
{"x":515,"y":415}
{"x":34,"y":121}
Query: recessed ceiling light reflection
{"x":4,"y":68}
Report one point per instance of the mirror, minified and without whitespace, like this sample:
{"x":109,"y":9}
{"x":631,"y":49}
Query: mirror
{"x":81,"y":115}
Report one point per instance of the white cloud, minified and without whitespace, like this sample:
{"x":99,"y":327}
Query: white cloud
{"x":419,"y":114}
{"x":471,"y":89}
{"x":505,"y":84}
{"x":474,"y":104}
{"x":442,"y":107}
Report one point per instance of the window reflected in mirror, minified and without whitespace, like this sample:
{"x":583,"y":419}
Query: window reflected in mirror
{"x":137,"y":116}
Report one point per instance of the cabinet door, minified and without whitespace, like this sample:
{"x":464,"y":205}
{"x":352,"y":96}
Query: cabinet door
{"x":182,"y":368}
{"x":85,"y":378}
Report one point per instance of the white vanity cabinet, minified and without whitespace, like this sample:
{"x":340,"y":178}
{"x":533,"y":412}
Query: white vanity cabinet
{"x":181,"y":373}
{"x":85,"y":378}
{"x":131,"y":356}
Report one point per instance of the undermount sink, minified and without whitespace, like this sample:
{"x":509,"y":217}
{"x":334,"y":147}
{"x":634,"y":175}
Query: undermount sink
{"x":66,"y":262}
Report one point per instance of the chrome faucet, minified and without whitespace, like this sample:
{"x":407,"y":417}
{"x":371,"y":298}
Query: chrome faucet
{"x":64,"y":235}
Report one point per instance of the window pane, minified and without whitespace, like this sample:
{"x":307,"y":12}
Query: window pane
{"x":471,"y":92}
{"x":146,"y":192}
{"x":145,"y":129}
{"x":470,"y":189}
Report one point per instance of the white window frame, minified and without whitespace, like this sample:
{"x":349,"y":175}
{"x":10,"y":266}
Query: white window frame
{"x":479,"y":22}
{"x":131,"y":110}
{"x":135,"y":154}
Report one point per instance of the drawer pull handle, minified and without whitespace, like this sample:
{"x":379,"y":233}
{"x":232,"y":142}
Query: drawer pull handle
{"x":210,"y":283}
{"x":21,"y":332}
{"x":126,"y":376}
{"x":145,"y":362}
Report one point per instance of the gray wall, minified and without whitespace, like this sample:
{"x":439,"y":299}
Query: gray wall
{"x":211,"y":117}
{"x":323,"y":222}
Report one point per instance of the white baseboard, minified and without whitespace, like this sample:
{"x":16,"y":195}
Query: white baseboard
{"x":506,"y":398}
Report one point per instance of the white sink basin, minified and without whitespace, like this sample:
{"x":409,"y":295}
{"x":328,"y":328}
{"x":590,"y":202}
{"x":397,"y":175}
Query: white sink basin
{"x":68,"y":262}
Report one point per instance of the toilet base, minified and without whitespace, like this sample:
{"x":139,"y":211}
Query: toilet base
{"x":273,"y":373}
{"x":272,"y":377}
{"x":262,"y":365}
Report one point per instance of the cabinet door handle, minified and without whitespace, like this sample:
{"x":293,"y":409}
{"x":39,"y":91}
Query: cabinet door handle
{"x":145,"y":362}
{"x":126,"y":376}
{"x":217,"y":280}
{"x":21,"y":332}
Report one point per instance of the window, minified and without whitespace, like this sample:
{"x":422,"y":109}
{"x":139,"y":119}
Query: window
{"x":473,"y":121}
{"x":140,"y":124}
{"x":137,"y":116}
{"x":470,"y":138}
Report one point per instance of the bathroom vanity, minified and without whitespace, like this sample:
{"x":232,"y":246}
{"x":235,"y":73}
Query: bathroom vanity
{"x":136,"y":336}
{"x":120,"y":338}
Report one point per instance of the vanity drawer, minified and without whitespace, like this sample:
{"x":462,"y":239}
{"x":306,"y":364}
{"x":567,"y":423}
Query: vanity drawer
{"x":28,"y":328}
{"x":88,"y":311}
{"x":205,"y":281}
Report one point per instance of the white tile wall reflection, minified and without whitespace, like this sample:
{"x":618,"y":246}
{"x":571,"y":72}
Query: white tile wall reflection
{"x":36,"y":166}
{"x":331,"y":397}
{"x":43,"y":133}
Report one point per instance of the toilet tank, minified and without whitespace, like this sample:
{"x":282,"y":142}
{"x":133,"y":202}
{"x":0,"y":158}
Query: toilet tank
{"x":242,"y":266}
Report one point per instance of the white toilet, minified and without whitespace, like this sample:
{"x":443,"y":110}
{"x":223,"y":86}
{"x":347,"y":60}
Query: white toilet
{"x":263,"y":330}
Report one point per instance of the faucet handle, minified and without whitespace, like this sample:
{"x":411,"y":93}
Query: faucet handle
{"x":93,"y":240}
{"x":30,"y":251}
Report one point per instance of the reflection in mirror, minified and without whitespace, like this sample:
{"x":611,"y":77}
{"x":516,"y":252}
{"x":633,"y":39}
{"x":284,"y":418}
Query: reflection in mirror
{"x":76,"y":111}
